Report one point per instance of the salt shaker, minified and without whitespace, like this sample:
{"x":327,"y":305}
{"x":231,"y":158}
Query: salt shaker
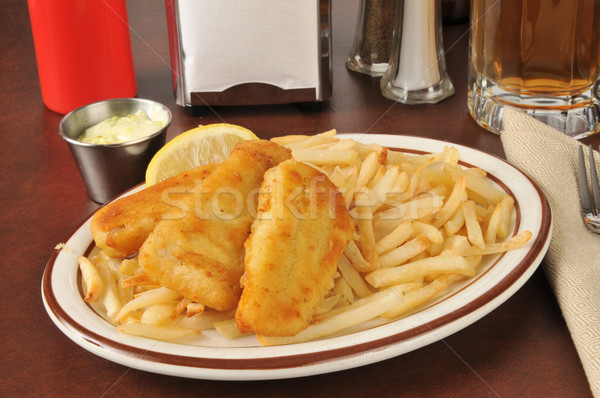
{"x":370,"y":52}
{"x":416,"y":73}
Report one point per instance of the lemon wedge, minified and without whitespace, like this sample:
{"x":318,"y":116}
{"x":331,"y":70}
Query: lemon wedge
{"x":211,"y":143}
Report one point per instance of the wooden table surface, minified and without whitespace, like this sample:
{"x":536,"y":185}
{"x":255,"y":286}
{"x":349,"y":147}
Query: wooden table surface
{"x":522,"y":349}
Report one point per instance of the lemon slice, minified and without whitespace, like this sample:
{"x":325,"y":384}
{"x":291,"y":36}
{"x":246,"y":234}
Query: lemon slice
{"x":211,"y":143}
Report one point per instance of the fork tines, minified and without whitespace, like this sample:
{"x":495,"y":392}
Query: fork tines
{"x":589,"y":202}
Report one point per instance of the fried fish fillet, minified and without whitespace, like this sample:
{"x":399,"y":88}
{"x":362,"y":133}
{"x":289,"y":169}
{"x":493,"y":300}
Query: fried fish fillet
{"x":120,"y":227}
{"x":301,"y":229}
{"x":201,"y":253}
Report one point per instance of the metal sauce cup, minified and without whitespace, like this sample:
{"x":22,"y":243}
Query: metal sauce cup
{"x":108,"y":170}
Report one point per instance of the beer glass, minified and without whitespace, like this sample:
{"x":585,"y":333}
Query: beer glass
{"x":540,"y":56}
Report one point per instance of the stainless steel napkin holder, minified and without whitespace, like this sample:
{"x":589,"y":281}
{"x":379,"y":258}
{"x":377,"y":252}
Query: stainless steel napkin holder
{"x":249,"y":52}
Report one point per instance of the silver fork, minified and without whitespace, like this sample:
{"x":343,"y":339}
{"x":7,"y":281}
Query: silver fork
{"x":590,"y":202}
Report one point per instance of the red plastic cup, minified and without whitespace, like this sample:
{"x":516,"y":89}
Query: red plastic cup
{"x":83,"y":51}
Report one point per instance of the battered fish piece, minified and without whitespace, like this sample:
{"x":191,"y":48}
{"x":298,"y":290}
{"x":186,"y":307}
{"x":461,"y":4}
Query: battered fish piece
{"x":201,"y":255}
{"x":300,"y":232}
{"x":120,"y":227}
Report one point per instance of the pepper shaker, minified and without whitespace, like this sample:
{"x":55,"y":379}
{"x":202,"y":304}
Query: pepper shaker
{"x":370,"y":52}
{"x":417,"y":69}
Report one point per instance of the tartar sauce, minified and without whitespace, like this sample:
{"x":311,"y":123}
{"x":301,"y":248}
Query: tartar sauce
{"x":119,"y":129}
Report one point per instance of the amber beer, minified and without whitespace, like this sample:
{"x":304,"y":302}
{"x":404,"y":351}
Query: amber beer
{"x":542,"y":56}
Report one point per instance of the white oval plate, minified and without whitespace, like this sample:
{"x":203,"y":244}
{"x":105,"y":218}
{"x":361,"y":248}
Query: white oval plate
{"x":208,"y":356}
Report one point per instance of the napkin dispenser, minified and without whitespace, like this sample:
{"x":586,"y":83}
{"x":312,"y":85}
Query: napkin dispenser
{"x":249,"y":52}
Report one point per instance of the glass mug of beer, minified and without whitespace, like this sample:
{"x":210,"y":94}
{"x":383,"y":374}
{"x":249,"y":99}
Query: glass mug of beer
{"x":540,"y":56}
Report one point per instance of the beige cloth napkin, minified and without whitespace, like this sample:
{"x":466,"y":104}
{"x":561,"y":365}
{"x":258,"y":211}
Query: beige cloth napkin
{"x":572,"y":264}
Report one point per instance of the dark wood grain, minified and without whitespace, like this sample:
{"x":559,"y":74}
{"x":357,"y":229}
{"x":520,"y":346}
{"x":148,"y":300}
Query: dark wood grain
{"x":521,"y":349}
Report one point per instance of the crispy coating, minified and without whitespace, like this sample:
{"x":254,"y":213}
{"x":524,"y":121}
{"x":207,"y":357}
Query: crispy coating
{"x":301,"y":229}
{"x":120,"y":227}
{"x":199,"y":250}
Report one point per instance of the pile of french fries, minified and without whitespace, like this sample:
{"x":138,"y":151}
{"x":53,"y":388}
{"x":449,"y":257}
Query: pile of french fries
{"x":423,"y":222}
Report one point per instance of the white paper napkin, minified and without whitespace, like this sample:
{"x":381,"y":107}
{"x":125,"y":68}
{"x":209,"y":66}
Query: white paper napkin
{"x":572,"y":264}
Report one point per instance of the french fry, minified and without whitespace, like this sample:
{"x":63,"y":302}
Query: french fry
{"x":492,"y":228}
{"x":343,"y":179}
{"x":365,"y":150}
{"x":409,"y":287}
{"x":181,"y":307}
{"x":419,"y":208}
{"x":356,"y":258}
{"x":437,"y":176}
{"x":368,"y":168}
{"x":343,"y":290}
{"x":455,"y":245}
{"x":341,"y":145}
{"x":455,"y":223}
{"x":429,"y":231}
{"x":401,"y":184}
{"x":353,"y":278}
{"x":363,"y":221}
{"x":431,"y":159}
{"x":205,"y":320}
{"x":415,"y":298}
{"x":397,"y":157}
{"x":188,"y":307}
{"x":138,"y":280}
{"x":412,"y":186}
{"x":451,"y":155}
{"x":415,"y":271}
{"x":405,"y":252}
{"x":418,"y":160}
{"x":361,"y":311}
{"x":412,"y":210}
{"x":159,"y":314}
{"x":112,"y":295}
{"x":398,"y":236}
{"x":477,"y":184}
{"x":92,"y":279}
{"x":385,"y":184}
{"x":306,"y":140}
{"x":129,"y":266}
{"x":148,"y":298}
{"x":156,"y":332}
{"x":473,"y":228}
{"x":381,"y":169}
{"x":325,"y":157}
{"x":508,"y":205}
{"x":483,"y":212}
{"x":476,"y":171}
{"x":494,"y":248}
{"x":194,"y":309}
{"x":326,"y":305}
{"x":435,"y":248}
{"x":455,"y":199}
{"x":228,"y":329}
{"x":475,"y":261}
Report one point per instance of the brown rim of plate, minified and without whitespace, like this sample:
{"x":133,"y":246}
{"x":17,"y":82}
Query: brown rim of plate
{"x":306,"y":359}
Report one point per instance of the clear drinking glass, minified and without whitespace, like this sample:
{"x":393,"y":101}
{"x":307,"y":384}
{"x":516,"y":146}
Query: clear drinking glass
{"x":417,"y":70}
{"x":542,"y":57}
